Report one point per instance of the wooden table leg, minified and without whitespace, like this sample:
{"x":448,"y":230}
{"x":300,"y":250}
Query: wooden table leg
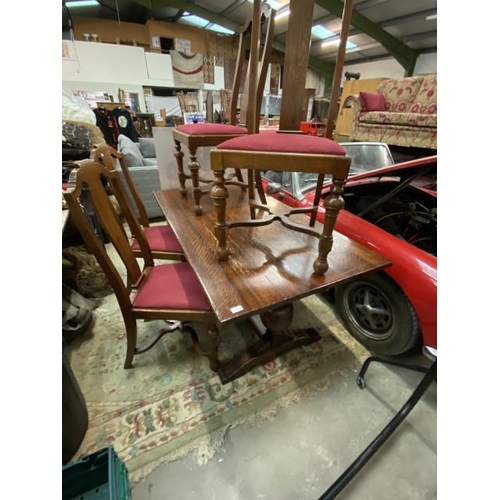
{"x":274,"y":339}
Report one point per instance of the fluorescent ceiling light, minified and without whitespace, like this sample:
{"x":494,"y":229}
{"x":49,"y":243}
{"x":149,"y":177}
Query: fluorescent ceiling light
{"x":321,"y":32}
{"x":82,"y":3}
{"x":206,"y":24}
{"x":274,"y":4}
{"x":430,"y":18}
{"x":349,"y":45}
{"x":220,"y":29}
{"x":196,"y":20}
{"x":283,"y":14}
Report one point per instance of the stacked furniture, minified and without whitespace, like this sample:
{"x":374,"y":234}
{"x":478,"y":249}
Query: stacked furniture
{"x":403,"y":112}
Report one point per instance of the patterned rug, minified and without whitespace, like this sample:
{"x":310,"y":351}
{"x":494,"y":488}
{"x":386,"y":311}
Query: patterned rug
{"x":171,"y":403}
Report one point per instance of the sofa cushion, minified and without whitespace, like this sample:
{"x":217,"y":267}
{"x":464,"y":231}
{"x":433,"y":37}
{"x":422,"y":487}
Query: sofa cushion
{"x":401,"y":119}
{"x":149,"y":162}
{"x":147,"y":147}
{"x":399,"y":93}
{"x":372,"y":101}
{"x":130,"y":150}
{"x":426,"y":99}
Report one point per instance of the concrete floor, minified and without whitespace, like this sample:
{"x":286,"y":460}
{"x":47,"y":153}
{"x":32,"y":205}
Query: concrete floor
{"x":299,"y":454}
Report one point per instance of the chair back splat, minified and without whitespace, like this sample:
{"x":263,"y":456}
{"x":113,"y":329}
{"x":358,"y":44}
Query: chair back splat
{"x":197,"y":135}
{"x":161,"y":239}
{"x":287,"y":150}
{"x":169,"y":291}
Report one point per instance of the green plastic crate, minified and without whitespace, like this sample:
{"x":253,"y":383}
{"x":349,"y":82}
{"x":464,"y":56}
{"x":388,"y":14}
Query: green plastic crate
{"x":100,"y":476}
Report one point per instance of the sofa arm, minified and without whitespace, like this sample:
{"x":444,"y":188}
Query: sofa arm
{"x":354,"y":102}
{"x":147,"y":147}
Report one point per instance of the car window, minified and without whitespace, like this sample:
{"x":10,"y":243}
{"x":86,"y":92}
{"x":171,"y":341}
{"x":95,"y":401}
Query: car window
{"x":308,"y":181}
{"x":367,"y":157}
{"x":283,"y":178}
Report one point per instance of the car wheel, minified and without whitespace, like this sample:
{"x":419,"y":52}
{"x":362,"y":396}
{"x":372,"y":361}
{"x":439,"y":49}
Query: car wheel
{"x":377,"y":313}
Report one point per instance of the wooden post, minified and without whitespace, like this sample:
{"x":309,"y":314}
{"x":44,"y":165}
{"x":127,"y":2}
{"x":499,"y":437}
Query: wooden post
{"x":298,"y":42}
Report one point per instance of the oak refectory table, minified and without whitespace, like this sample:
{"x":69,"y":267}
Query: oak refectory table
{"x":269,"y":268}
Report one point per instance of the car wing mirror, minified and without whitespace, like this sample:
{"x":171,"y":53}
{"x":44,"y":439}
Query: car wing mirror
{"x":273,"y":188}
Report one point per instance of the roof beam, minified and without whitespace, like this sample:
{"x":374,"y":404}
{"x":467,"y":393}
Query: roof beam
{"x":192,"y":8}
{"x":403,"y":54}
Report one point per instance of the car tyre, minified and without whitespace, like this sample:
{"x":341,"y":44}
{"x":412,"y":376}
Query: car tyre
{"x":377,"y":313}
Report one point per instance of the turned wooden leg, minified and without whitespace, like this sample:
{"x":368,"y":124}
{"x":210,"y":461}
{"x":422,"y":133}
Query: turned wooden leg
{"x":219,"y":194}
{"x":131,"y":328}
{"x":179,"y":155}
{"x":333,"y":204}
{"x":194,"y":168}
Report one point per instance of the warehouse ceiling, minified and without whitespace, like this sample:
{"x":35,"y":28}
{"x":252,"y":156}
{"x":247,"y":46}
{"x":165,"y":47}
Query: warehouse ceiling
{"x":379,"y":28}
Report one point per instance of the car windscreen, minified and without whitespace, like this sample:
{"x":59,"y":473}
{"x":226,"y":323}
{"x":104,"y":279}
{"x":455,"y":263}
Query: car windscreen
{"x":367,"y":157}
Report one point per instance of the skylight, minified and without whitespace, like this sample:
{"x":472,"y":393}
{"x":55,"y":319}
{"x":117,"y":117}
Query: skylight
{"x":349,"y":45}
{"x":321,"y":32}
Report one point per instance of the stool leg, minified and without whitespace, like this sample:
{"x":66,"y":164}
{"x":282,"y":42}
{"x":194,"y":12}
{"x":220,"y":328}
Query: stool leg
{"x":179,"y":155}
{"x":429,"y":377}
{"x":194,"y":168}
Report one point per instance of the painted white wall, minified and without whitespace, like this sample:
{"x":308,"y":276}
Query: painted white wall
{"x":426,"y":63}
{"x":109,"y":67}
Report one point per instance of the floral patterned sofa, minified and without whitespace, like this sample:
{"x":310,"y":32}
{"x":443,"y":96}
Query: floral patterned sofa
{"x":403,"y":112}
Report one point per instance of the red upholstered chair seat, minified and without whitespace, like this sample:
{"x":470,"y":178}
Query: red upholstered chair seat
{"x":172,"y":286}
{"x":284,"y":143}
{"x":211,"y":129}
{"x":160,"y":239}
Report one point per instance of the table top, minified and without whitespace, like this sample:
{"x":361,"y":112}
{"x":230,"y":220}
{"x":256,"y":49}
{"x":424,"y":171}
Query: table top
{"x":268,"y":266}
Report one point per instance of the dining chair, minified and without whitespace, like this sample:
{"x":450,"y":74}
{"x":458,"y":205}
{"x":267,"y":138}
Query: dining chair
{"x":188,"y":103}
{"x":161,"y":239}
{"x":197,"y":135}
{"x":288,"y":150}
{"x":167,"y":291}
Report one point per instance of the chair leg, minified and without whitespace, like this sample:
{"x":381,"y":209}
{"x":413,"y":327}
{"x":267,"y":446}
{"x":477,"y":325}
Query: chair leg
{"x":131,"y":328}
{"x":349,"y":474}
{"x":179,"y":155}
{"x":260,"y":188}
{"x":194,"y":168}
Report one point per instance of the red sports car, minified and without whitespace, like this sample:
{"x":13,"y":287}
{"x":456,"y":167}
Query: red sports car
{"x":392,"y":210}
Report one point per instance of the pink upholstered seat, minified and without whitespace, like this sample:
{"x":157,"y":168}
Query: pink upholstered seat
{"x":160,"y":239}
{"x":172,"y":286}
{"x":284,"y":143}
